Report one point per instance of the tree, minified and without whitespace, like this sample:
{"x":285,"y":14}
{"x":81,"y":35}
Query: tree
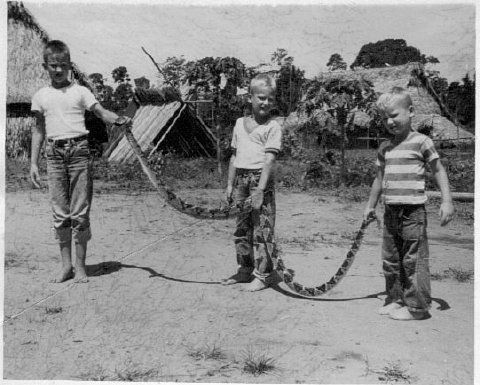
{"x":329,"y":105}
{"x":388,"y":52}
{"x":281,"y":57}
{"x":290,"y":80}
{"x":336,"y":62}
{"x":174,"y":71}
{"x":103,"y":92}
{"x":432,"y":59}
{"x":124,"y":90}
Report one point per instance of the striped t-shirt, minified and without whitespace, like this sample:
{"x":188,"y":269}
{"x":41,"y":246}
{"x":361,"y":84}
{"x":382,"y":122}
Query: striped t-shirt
{"x":404,"y":168}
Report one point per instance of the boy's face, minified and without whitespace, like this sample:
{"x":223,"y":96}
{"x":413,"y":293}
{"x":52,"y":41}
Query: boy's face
{"x":262,"y":98}
{"x":397,"y":118}
{"x":58,"y":66}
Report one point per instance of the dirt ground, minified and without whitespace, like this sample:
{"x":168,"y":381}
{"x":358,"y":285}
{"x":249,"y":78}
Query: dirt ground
{"x":154,"y":309}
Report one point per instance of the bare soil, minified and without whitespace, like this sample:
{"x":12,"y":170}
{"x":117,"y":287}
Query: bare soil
{"x":154,"y":310}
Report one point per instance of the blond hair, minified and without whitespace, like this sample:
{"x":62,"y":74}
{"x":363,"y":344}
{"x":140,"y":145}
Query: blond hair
{"x":263,"y":79}
{"x":395,"y":95}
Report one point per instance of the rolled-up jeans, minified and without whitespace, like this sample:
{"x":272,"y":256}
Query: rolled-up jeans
{"x":405,"y":256}
{"x":70,"y":183}
{"x":254,"y":236}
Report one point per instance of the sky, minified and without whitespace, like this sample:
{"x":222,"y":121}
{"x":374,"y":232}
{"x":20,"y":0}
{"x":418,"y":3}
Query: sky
{"x":105,"y":35}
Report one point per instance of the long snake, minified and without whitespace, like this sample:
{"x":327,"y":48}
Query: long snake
{"x":231,"y":210}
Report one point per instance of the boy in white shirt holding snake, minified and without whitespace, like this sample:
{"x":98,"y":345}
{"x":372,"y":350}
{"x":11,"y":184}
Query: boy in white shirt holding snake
{"x":256,"y":142}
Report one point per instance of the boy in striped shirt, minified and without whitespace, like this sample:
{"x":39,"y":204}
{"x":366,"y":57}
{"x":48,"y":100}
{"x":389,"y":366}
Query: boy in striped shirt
{"x":400,"y":176}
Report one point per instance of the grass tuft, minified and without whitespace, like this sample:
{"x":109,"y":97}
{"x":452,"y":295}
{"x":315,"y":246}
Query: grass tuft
{"x":207,"y":352}
{"x":53,"y":310}
{"x":454,"y":273}
{"x":258,"y":363}
{"x":393,"y":372}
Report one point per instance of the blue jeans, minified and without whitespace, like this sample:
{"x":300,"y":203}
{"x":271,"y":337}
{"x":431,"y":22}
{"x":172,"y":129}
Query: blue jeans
{"x":405,"y":256}
{"x":254,"y":235}
{"x":70,"y":183}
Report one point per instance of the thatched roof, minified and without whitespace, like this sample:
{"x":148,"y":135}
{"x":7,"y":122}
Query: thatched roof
{"x":25,"y":74}
{"x":26,"y":39}
{"x":425,"y":106}
{"x":163,"y":121}
{"x":384,"y":79}
{"x":439,"y":127}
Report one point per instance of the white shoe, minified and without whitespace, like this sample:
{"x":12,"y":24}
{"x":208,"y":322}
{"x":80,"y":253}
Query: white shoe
{"x":387,"y":309}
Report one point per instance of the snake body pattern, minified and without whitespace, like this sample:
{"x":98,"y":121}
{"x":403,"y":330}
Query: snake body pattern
{"x":230,"y":211}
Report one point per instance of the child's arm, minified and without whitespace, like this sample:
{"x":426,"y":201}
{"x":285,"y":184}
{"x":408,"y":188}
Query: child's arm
{"x":257,"y":194}
{"x":232,"y":171}
{"x":375,"y":193}
{"x":440,"y":176}
{"x":38,"y":136}
{"x":108,"y":116}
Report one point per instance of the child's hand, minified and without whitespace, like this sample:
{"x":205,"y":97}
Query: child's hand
{"x":366,"y":213}
{"x":123,"y":120}
{"x":228,"y":194}
{"x":35,"y":176}
{"x":446,"y":212}
{"x":257,"y":198}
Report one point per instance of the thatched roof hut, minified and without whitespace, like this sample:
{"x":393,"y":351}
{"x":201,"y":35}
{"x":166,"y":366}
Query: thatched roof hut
{"x":26,"y":40}
{"x":25,"y":74}
{"x":425,"y":105}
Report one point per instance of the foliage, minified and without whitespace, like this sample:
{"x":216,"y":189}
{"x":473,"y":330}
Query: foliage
{"x":174,"y":70}
{"x":103,"y":92}
{"x":281,"y":57}
{"x":389,"y":52}
{"x":329,"y":105}
{"x":458,"y":99}
{"x":336,"y":62}
{"x":290,"y":80}
{"x":124,"y":90}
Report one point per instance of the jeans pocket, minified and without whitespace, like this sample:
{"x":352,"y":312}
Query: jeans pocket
{"x":414,"y":223}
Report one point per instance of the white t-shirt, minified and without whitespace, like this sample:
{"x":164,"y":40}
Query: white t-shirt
{"x":252,"y":147}
{"x":64,"y":110}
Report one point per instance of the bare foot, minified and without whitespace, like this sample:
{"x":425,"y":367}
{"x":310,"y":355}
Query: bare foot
{"x":80,"y":275}
{"x":387,"y":309}
{"x":403,"y":314}
{"x":237,"y":278}
{"x":81,"y":279}
{"x":63,"y":276}
{"x":256,"y":285}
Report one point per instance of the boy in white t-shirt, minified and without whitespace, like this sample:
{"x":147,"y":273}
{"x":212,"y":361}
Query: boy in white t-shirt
{"x":256,"y":142}
{"x":60,"y":110}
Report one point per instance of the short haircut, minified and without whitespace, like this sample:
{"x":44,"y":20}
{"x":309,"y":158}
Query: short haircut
{"x":55,"y":47}
{"x":396,"y":94}
{"x":264,"y":79}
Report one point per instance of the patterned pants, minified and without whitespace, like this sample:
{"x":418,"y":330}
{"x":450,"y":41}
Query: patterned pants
{"x":254,"y":235}
{"x":405,"y":256}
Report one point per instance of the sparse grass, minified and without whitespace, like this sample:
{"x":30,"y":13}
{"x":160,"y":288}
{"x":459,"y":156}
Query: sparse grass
{"x":207,"y":352}
{"x":454,"y":273}
{"x":393,"y":372}
{"x":11,"y":260}
{"x":96,"y":373}
{"x":132,"y":371}
{"x":53,"y":309}
{"x":304,"y":242}
{"x":258,"y":363}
